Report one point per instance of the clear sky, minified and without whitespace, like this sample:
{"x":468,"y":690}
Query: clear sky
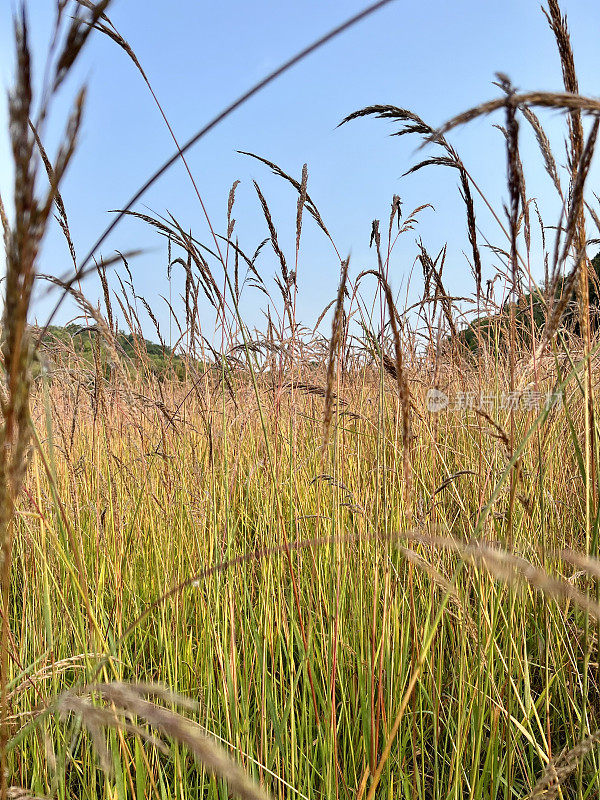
{"x":434,"y":57}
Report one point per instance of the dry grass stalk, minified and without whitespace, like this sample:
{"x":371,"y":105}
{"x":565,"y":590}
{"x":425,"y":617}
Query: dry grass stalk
{"x":22,"y":244}
{"x":412,"y":123}
{"x":403,"y":387}
{"x":510,"y":569}
{"x":544,"y":146}
{"x":17,"y":793}
{"x":464,"y":618}
{"x":128,"y":701}
{"x":334,"y":345}
{"x":558,"y":770}
{"x":558,"y":23}
{"x":302,"y":192}
{"x":302,"y":197}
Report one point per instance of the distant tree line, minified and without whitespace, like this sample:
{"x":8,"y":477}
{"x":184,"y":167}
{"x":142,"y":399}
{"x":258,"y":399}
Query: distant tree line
{"x":493,"y":330}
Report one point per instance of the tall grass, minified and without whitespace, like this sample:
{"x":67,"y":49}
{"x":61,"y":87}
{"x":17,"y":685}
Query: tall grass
{"x":347,"y":591}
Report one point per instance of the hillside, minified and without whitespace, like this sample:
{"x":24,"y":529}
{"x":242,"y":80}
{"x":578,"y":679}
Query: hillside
{"x":492,"y":329}
{"x":136,"y":351}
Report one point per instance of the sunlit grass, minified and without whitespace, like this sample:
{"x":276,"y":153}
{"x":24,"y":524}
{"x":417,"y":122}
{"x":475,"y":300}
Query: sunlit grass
{"x":149,"y":505}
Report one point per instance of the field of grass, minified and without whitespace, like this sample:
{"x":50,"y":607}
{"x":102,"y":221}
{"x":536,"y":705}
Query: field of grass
{"x":304,"y":661}
{"x":277,"y":568}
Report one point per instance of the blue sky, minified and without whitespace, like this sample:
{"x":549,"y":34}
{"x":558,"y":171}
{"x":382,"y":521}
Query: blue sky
{"x":436,"y":58}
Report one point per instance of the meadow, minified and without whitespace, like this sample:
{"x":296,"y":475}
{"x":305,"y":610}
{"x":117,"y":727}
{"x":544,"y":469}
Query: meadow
{"x":355,"y":560}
